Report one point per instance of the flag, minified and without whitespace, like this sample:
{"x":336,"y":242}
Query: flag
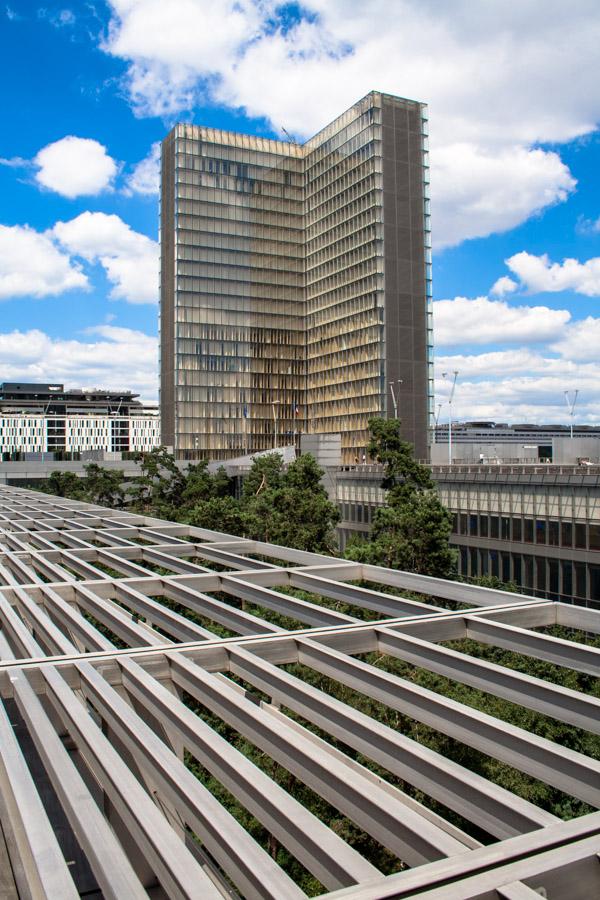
{"x":245,"y":412}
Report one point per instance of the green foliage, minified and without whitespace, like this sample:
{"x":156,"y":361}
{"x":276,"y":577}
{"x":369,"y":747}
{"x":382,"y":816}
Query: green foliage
{"x":217,"y":514}
{"x":158,"y":488}
{"x":288,"y":507}
{"x":64,"y":484}
{"x":278,"y":505}
{"x":412,"y":531}
{"x":104,"y":486}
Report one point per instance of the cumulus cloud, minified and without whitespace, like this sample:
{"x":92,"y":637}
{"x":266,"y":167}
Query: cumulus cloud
{"x":538,"y":274}
{"x":118,"y":359}
{"x":479,"y":192}
{"x":519,"y":385}
{"x":504,"y":286}
{"x":130,"y":259}
{"x":496,"y":86}
{"x":145,"y":177}
{"x":32,"y":265}
{"x":484,"y":321}
{"x":75,"y":167}
{"x":580,"y":341}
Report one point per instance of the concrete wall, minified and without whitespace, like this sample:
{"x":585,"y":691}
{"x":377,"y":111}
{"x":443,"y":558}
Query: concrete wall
{"x":485,"y":453}
{"x":326,"y":448}
{"x":567,"y":451}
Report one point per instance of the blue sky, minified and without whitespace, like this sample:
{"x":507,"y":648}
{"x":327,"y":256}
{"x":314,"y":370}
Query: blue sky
{"x":514,"y":99}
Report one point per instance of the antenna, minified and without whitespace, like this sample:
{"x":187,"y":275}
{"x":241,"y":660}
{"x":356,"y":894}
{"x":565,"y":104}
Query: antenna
{"x":288,"y":135}
{"x":571,"y":406}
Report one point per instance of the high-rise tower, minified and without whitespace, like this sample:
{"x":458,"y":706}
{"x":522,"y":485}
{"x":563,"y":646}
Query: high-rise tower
{"x":295,"y":283}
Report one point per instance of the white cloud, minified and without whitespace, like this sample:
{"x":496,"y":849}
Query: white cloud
{"x":525,"y":385}
{"x":484,"y":191}
{"x":498,"y":85}
{"x":170,"y":45}
{"x":130,"y":259}
{"x":580,"y":341}
{"x":538,"y":274}
{"x":518,"y":386}
{"x":504,"y":286}
{"x":74,"y":167}
{"x":145,"y":177}
{"x":32,"y":265}
{"x":584,"y":226}
{"x":120,"y":359}
{"x":484,"y":321}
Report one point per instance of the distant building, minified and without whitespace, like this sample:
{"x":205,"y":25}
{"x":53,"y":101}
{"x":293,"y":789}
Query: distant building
{"x":536,"y":439}
{"x":536,"y":525}
{"x":46,"y":418}
{"x":296,"y":283}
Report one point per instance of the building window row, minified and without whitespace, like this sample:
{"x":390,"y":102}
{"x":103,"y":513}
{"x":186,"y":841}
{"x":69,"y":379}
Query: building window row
{"x":551,"y":532}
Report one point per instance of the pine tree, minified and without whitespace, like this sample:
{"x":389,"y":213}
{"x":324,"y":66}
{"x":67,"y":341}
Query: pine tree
{"x":412,"y":531}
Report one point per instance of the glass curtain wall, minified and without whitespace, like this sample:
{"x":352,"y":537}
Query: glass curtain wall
{"x":277,"y":311}
{"x":344,"y":276}
{"x":239,"y":293}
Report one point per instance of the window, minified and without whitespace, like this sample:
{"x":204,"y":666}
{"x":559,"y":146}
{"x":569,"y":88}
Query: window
{"x":580,"y":580}
{"x":580,"y":536}
{"x":540,"y":572}
{"x":528,"y":571}
{"x":516,"y":530}
{"x":540,"y":531}
{"x":566,"y":534}
{"x":594,"y":537}
{"x":494,"y":563}
{"x":528,"y":531}
{"x":594,"y":582}
{"x":553,"y":579}
{"x":517,"y":570}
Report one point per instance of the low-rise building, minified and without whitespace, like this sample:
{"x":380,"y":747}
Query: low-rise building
{"x":536,"y":525}
{"x":46,"y":418}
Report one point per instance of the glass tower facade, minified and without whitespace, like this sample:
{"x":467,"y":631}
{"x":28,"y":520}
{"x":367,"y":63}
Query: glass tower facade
{"x":295,"y":283}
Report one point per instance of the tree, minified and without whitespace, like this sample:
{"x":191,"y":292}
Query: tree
{"x":104,"y":486}
{"x":158,"y":488}
{"x":412,"y":531}
{"x":65,"y":484}
{"x":208,"y":501}
{"x":288,"y":507}
{"x":217,"y":514}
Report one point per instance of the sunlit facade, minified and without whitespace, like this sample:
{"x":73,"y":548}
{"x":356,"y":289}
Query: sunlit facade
{"x":295,"y":283}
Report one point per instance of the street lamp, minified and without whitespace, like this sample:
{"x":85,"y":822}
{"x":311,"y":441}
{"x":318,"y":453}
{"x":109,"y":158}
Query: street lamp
{"x":571,"y":405}
{"x":451,"y":397}
{"x":275,"y":404}
{"x":394,"y":398}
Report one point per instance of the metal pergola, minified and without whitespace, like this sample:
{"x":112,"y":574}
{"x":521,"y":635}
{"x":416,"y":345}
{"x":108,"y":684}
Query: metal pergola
{"x":116,"y":628}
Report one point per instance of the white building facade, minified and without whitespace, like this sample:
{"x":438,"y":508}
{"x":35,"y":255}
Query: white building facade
{"x":38,"y":434}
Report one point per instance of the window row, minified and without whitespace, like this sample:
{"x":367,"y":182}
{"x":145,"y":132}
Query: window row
{"x":554,"y":579}
{"x":580,"y":535}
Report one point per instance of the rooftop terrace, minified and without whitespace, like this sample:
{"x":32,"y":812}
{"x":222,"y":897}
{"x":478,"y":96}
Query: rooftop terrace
{"x":137,"y":658}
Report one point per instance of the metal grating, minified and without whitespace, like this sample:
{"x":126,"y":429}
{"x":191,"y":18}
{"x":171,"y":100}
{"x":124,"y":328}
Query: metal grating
{"x":137,"y":655}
